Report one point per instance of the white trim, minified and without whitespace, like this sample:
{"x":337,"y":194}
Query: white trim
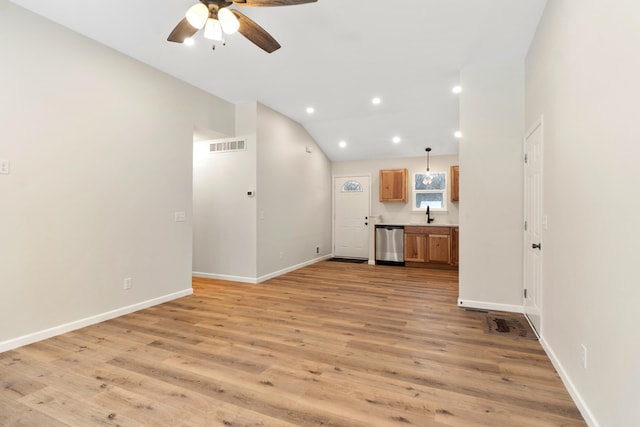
{"x":92,"y":320}
{"x":292,"y":268}
{"x":372,"y":262}
{"x":538,"y":124}
{"x":491,"y":306}
{"x":240,"y":279}
{"x":571,"y":388}
{"x":254,"y":280}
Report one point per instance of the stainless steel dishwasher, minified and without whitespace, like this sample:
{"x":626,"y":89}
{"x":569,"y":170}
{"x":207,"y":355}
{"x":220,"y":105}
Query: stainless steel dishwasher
{"x":390,"y":244}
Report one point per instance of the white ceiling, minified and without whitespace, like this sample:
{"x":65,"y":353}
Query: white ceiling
{"x":335,"y":56}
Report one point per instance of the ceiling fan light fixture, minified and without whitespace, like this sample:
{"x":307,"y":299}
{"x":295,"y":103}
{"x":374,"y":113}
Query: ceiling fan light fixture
{"x":213,"y":30}
{"x":197,"y":15}
{"x":228,"y":21}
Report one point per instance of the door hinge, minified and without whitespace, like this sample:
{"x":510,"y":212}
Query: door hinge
{"x":526,"y":158}
{"x":525,"y":294}
{"x":525,"y":226}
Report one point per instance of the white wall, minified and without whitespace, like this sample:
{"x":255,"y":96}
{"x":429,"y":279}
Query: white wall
{"x":401,"y":213}
{"x":582,"y":75}
{"x":491,"y":185}
{"x":250,"y":239}
{"x":100,"y":149}
{"x":224,"y":217}
{"x":293,"y":194}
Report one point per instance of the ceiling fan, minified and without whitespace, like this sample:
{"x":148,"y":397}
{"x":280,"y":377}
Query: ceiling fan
{"x":217,"y":20}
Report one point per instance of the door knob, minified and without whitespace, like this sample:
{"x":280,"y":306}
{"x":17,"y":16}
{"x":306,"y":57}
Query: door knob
{"x":537,"y":246}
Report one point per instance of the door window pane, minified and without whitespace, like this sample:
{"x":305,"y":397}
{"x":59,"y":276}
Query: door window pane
{"x":351,"y":186}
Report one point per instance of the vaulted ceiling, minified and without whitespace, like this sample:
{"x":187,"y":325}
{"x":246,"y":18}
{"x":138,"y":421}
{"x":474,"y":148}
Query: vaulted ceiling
{"x":336,"y":56}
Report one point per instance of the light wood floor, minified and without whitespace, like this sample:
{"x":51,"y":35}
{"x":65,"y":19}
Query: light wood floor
{"x":333,"y":344}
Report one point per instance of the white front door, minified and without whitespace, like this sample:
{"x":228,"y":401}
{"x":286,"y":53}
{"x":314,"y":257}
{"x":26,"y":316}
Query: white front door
{"x":351,"y":201}
{"x":533,"y":186}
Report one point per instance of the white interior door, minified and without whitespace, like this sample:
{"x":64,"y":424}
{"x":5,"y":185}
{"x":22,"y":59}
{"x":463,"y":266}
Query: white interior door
{"x":533,"y":226}
{"x":351,"y":202}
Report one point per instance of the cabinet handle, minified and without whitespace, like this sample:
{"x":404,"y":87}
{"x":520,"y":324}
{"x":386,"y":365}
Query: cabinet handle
{"x":537,"y":246}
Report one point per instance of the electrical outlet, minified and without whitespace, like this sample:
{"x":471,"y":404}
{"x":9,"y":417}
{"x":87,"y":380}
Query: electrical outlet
{"x":179,"y":216}
{"x":4,"y":167}
{"x":127,"y":283}
{"x":583,"y":356}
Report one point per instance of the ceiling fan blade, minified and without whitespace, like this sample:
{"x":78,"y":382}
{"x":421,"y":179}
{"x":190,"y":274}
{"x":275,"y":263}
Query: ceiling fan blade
{"x":182,"y":31}
{"x":271,"y":2}
{"x":255,"y":33}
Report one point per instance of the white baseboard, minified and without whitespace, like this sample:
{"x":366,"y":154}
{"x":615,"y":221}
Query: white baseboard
{"x":573,"y":392}
{"x":490,"y":306}
{"x":240,"y":279}
{"x":372,"y":262}
{"x":292,"y":268}
{"x":92,"y":320}
{"x":256,"y":280}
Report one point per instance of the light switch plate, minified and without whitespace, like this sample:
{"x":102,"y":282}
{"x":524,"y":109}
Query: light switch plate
{"x":4,"y":167}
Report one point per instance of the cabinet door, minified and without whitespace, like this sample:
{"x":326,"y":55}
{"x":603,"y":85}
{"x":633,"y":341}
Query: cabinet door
{"x":439,"y":248}
{"x":454,"y":245}
{"x":415,"y":246}
{"x":455,"y":176}
{"x":393,"y":185}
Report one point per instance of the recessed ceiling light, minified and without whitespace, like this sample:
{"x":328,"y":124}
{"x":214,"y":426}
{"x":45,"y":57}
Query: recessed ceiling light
{"x":342,"y":144}
{"x":376,"y":101}
{"x":458,"y":134}
{"x":456,"y":89}
{"x":189,"y":41}
{"x":396,"y":140}
{"x":310,"y":110}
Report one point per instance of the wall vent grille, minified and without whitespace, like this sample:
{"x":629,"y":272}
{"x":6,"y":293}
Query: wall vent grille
{"x":228,"y":146}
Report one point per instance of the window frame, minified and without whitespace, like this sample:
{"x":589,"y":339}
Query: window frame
{"x":444,"y":192}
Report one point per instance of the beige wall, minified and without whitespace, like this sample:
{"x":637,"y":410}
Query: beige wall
{"x":251,"y":239}
{"x":100,"y":149}
{"x":582,"y":75}
{"x":491,"y":185}
{"x":293,"y":195}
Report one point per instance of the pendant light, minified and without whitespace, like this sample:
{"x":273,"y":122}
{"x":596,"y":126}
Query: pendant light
{"x":428,"y":178}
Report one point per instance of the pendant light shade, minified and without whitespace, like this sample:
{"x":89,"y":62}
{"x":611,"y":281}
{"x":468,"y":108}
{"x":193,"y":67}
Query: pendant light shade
{"x":197,"y":15}
{"x":228,"y":21}
{"x":213,"y":30}
{"x":427,"y":176}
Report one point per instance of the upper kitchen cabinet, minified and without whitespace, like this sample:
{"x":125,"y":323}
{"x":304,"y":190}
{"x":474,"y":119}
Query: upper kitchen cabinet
{"x":394,"y":185}
{"x":455,"y":172}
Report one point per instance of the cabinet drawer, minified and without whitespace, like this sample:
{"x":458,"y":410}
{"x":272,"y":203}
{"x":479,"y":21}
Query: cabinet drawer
{"x":427,"y":230}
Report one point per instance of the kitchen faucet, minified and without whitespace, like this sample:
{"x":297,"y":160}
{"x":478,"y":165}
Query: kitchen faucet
{"x":429,"y":219}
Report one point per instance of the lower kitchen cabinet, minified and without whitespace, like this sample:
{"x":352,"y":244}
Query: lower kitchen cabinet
{"x":430,"y":246}
{"x":415,"y":246}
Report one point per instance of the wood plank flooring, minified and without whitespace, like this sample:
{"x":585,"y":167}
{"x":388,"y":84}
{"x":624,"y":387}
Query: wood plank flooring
{"x":332,"y":344}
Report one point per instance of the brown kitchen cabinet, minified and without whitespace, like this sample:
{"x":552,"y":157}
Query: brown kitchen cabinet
{"x":430,"y":246}
{"x":455,"y":245}
{"x":394,"y":185}
{"x":455,"y":187}
{"x":415,"y":246}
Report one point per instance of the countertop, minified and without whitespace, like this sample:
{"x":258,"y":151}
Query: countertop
{"x":418,"y":224}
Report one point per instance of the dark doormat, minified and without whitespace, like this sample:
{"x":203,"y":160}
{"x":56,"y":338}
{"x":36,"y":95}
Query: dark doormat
{"x":350,"y":260}
{"x":509,"y":324}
